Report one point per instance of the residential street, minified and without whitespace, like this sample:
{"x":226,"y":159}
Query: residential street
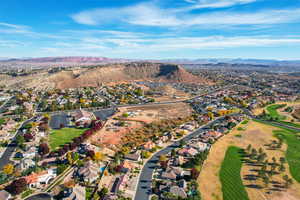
{"x":144,"y":186}
{"x":4,"y":160}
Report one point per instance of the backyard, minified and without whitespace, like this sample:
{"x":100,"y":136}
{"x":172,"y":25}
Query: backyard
{"x":63,"y":136}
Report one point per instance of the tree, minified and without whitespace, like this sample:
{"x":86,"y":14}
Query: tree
{"x":260,"y":150}
{"x":8,"y":169}
{"x":266,"y":181}
{"x":194,"y":173}
{"x":248,"y":149}
{"x":163,"y":158}
{"x":20,"y":140}
{"x":282,"y":160}
{"x":182,"y":143}
{"x":17,"y":186}
{"x":90,"y":154}
{"x":274,"y":160}
{"x":70,"y":158}
{"x":103,"y":192}
{"x":28,"y":137}
{"x":99,"y":156}
{"x":288,"y":181}
{"x":145,"y":154}
{"x":281,"y":168}
{"x":43,"y":149}
{"x":173,"y":153}
{"x":210,"y":115}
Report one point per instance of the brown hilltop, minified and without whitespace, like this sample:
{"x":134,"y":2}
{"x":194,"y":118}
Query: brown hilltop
{"x":125,"y":72}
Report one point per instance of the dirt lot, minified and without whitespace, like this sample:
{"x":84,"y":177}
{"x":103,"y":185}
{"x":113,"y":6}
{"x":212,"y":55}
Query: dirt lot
{"x":111,"y":135}
{"x":257,"y":135}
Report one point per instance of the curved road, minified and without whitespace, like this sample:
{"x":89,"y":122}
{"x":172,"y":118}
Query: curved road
{"x":5,"y":158}
{"x":144,"y":185}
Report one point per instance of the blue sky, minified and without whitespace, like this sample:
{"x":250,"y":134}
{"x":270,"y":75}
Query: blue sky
{"x":154,"y":29}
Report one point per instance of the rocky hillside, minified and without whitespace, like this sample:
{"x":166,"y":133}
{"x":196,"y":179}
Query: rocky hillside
{"x":124,"y":72}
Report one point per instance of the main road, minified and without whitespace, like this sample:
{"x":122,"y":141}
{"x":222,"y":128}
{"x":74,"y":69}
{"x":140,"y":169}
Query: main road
{"x":144,"y":185}
{"x":11,"y":147}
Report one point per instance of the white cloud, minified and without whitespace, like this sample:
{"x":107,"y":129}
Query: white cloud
{"x":148,"y":14}
{"x":11,"y":43}
{"x":171,"y":44}
{"x":140,"y":14}
{"x":198,"y":4}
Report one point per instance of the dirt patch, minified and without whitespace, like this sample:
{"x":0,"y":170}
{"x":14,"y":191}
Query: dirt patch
{"x":118,"y":126}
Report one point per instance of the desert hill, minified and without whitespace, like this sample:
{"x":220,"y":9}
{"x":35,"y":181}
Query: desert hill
{"x":124,"y":72}
{"x":75,"y":77}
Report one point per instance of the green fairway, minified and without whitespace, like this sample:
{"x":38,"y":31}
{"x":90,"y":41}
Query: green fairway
{"x":272,"y":110}
{"x":63,"y":136}
{"x":292,"y":139}
{"x":230,"y":176}
{"x":290,"y":124}
{"x":245,"y":121}
{"x":292,"y":153}
{"x":2,"y":120}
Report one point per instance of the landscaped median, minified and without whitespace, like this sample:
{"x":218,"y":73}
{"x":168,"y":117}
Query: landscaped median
{"x":230,"y":175}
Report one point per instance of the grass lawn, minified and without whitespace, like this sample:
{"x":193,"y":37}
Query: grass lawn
{"x":230,"y":175}
{"x":2,"y":121}
{"x":292,"y":153}
{"x":245,"y":121}
{"x":63,"y":136}
{"x":272,"y":110}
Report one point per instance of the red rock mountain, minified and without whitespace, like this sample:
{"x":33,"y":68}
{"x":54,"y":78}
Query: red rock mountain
{"x":114,"y":73}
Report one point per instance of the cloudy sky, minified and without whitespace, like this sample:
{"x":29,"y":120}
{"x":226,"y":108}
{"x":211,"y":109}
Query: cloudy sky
{"x":157,"y":29}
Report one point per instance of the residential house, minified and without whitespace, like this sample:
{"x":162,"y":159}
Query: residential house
{"x":180,"y":160}
{"x":27,"y":163}
{"x":83,"y":118}
{"x":39,"y":180}
{"x":169,"y":174}
{"x":75,"y":193}
{"x":30,"y":153}
{"x":200,"y":146}
{"x":89,"y":172}
{"x":176,"y":190}
{"x":188,"y":151}
{"x":215,"y":134}
{"x":133,"y":156}
{"x":126,"y":166}
{"x":149,"y":145}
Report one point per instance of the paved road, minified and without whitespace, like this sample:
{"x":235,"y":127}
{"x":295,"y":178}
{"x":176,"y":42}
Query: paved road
{"x":5,"y":158}
{"x":144,"y":185}
{"x":279,"y":124}
{"x":41,"y":196}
